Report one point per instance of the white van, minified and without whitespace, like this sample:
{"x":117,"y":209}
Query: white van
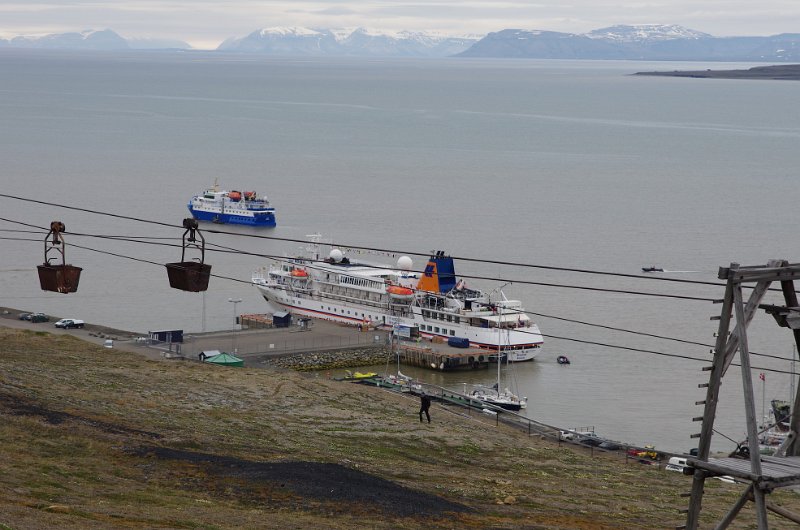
{"x":67,"y":323}
{"x":676,"y":463}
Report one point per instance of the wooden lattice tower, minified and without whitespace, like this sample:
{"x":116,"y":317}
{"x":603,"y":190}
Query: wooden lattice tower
{"x":762,"y":473}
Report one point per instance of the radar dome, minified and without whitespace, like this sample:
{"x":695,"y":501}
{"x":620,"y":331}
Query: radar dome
{"x":336,"y":255}
{"x":404,"y":263}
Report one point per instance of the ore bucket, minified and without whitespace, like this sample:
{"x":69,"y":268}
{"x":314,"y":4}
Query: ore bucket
{"x":188,"y":275}
{"x":59,"y":278}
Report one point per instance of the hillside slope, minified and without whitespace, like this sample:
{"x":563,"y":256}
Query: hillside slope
{"x":97,"y":438}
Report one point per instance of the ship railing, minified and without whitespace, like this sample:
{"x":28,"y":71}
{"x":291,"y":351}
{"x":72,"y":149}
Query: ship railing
{"x":354,"y":300}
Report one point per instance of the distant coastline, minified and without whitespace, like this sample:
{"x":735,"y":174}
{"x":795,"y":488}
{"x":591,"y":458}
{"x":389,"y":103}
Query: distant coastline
{"x":789,"y":72}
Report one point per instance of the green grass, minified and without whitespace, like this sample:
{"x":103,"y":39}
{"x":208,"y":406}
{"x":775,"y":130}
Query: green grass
{"x":88,"y":470}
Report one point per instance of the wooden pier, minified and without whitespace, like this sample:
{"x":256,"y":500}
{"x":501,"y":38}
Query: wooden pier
{"x":443,"y":358}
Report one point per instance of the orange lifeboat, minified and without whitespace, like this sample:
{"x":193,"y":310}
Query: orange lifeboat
{"x":400,"y":293}
{"x":249,"y":195}
{"x":299,"y":273}
{"x":235,"y":196}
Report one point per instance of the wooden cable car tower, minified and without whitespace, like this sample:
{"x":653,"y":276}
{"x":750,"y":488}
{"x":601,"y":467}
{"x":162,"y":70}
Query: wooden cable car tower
{"x":762,"y":473}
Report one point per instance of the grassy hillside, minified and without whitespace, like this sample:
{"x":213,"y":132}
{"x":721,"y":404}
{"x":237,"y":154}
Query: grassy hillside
{"x":96,"y":438}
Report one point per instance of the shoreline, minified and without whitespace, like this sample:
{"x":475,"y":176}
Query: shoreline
{"x":790,"y":72}
{"x":324,"y":346}
{"x":99,"y":436}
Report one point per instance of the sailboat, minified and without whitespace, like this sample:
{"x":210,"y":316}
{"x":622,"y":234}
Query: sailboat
{"x":493,"y":395}
{"x":400,"y":381}
{"x":773,"y":436}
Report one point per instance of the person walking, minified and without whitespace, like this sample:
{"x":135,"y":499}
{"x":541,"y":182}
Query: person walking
{"x":424,"y":405}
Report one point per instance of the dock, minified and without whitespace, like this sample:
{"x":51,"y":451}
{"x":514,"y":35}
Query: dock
{"x":257,"y":338}
{"x":441,"y":357}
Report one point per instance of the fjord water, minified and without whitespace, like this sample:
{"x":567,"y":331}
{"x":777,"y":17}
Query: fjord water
{"x":565,"y":164}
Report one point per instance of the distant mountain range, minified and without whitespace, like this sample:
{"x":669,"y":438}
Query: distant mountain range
{"x":340,"y":42}
{"x":640,"y":42}
{"x":91,"y":40}
{"x":644,"y":42}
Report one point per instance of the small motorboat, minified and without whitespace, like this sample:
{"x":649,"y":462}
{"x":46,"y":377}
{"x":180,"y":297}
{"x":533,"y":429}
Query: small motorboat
{"x":358,"y":375}
{"x":652,"y":269}
{"x":562,"y":359}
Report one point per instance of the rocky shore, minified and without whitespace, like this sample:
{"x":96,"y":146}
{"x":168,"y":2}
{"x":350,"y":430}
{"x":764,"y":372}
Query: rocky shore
{"x":308,"y":362}
{"x":789,"y":72}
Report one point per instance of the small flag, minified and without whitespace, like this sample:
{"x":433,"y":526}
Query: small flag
{"x":761,"y":376}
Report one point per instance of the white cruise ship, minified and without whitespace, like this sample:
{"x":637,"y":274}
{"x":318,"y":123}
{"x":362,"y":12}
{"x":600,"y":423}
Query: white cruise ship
{"x":343,"y":290}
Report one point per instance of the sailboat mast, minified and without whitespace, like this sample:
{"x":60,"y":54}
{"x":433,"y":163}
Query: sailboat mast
{"x":499,"y":343}
{"x":791,"y":376}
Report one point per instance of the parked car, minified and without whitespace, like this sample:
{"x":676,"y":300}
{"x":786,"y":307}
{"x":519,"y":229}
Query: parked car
{"x":69,"y":323}
{"x":676,"y":463}
{"x":24,"y":316}
{"x":609,"y":445}
{"x":39,"y":317}
{"x":648,"y":452}
{"x":590,"y":440}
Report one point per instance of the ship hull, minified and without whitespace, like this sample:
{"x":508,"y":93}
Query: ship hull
{"x":306,"y":305}
{"x":255,"y":218}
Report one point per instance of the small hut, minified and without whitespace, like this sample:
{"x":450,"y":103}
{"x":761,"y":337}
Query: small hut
{"x":281,"y":319}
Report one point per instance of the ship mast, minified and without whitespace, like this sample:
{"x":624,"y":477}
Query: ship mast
{"x":499,"y":343}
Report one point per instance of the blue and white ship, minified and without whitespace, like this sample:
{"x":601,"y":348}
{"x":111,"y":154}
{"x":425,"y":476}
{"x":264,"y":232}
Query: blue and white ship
{"x":232,"y":207}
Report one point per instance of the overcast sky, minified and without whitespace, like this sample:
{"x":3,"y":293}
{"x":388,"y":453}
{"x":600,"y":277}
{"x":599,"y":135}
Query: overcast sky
{"x":206,"y":23}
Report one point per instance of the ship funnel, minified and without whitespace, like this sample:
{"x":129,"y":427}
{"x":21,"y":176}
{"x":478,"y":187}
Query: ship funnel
{"x":439,"y":275}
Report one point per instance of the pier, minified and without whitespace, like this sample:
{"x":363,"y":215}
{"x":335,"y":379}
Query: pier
{"x":259,"y":337}
{"x":469,"y":406}
{"x":441,"y":357}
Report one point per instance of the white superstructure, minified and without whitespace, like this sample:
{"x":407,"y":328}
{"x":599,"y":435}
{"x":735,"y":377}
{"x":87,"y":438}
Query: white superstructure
{"x":338,"y":289}
{"x":232,"y":207}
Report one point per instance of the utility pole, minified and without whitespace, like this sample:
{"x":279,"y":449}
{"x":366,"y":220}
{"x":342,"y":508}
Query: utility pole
{"x":234,"y":301}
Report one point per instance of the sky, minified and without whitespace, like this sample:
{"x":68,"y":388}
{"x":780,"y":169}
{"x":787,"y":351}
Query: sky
{"x":206,"y":23}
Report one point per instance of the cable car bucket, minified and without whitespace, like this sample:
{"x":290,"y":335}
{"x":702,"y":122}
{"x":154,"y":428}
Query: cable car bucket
{"x":190,"y":275}
{"x":61,"y":278}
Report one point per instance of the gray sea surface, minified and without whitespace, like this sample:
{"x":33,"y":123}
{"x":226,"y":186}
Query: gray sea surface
{"x":565,"y":164}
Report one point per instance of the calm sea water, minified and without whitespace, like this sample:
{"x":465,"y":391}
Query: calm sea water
{"x":567,"y":164}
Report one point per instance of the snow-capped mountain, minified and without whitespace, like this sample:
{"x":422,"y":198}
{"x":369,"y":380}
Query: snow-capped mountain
{"x":645,"y":33}
{"x":85,"y":40}
{"x":645,"y":42}
{"x":626,"y":42}
{"x":91,"y":40}
{"x":347,"y":42}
